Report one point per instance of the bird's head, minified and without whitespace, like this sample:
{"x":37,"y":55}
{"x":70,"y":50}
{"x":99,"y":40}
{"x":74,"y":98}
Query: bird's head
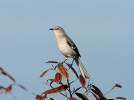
{"x":57,"y":30}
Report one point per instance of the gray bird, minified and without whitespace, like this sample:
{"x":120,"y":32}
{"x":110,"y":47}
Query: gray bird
{"x":68,"y":48}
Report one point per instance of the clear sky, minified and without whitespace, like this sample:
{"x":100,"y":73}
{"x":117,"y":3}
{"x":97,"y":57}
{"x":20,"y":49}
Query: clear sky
{"x":103,"y":30}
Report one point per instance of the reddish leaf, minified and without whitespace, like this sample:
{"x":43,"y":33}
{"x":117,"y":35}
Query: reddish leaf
{"x":39,"y":97}
{"x":8,"y":89}
{"x":117,"y":85}
{"x":22,"y":87}
{"x":5,"y":73}
{"x":73,"y":98}
{"x":63,"y":70}
{"x":11,"y":77}
{"x":95,"y":96}
{"x":72,"y":69}
{"x":99,"y":94}
{"x":58,"y":78}
{"x":121,"y":98}
{"x":82,"y":81}
{"x":82,"y":96}
{"x":56,"y":90}
{"x":51,"y":62}
{"x":44,"y":73}
{"x":97,"y":89}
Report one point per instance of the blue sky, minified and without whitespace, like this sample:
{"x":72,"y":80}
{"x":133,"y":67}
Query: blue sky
{"x":102,"y":30}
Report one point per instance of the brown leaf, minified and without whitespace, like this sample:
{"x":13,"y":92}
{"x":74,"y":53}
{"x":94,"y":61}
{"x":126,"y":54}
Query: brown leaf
{"x":11,"y":77}
{"x":56,"y":90}
{"x":51,"y":62}
{"x":72,"y":69}
{"x":44,"y":73}
{"x":5,"y":73}
{"x":22,"y":87}
{"x":95,"y":96}
{"x":117,"y":85}
{"x":121,"y":98}
{"x":58,"y":78}
{"x":8,"y":89}
{"x":39,"y":97}
{"x":97,"y":89}
{"x":82,"y":96}
{"x":82,"y":81}
{"x":63,"y":70}
{"x":99,"y":94}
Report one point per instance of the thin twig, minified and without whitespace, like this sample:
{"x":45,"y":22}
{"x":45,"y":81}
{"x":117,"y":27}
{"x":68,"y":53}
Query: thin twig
{"x":74,"y":80}
{"x":15,"y":97}
{"x":109,"y":90}
{"x":72,"y":62}
{"x":69,"y":88}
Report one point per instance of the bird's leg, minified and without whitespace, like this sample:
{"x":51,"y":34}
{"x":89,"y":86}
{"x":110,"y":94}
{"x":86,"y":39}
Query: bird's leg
{"x":65,"y":60}
{"x":72,"y":62}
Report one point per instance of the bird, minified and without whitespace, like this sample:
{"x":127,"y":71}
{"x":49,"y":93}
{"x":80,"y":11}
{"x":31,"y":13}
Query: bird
{"x":68,"y":48}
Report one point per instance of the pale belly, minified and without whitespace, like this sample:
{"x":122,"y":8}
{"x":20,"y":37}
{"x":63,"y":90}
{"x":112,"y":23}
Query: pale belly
{"x":66,"y":50}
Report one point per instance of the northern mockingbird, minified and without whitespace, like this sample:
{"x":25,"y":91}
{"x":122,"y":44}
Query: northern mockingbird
{"x":68,"y":48}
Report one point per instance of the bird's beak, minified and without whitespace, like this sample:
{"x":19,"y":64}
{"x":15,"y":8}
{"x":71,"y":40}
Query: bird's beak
{"x":51,"y":29}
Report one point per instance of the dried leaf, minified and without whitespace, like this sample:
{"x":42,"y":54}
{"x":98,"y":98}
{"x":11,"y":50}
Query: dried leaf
{"x":44,"y":73}
{"x":22,"y":87}
{"x":8,"y":89}
{"x":63,"y":70}
{"x":51,"y":62}
{"x":5,"y":73}
{"x":11,"y":77}
{"x":82,"y":96}
{"x":39,"y":97}
{"x":121,"y":98}
{"x":95,"y":96}
{"x":117,"y":85}
{"x":56,"y":90}
{"x":99,"y":94}
{"x":82,"y":81}
{"x":72,"y":69}
{"x":97,"y":89}
{"x":58,"y":78}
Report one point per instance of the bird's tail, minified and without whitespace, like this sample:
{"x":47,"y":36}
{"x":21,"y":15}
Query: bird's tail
{"x":81,"y":68}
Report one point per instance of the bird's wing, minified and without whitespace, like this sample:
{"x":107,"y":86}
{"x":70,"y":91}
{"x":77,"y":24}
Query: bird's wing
{"x":73,"y":46}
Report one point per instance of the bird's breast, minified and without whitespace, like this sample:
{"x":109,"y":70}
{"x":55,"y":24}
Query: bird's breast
{"x":65,"y":49}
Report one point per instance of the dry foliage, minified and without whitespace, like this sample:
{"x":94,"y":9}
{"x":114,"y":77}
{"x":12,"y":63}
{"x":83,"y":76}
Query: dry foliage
{"x":62,"y":78}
